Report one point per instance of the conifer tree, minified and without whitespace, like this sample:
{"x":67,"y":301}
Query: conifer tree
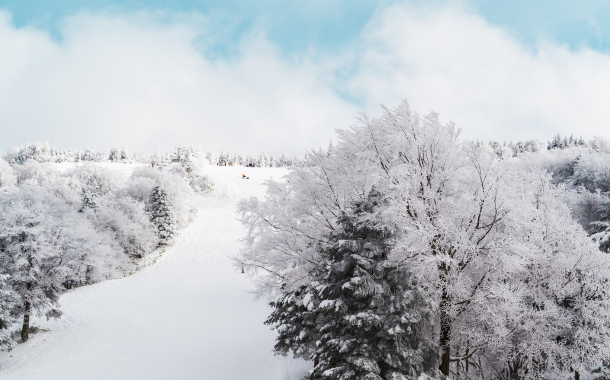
{"x":363,"y":317}
{"x":161,"y":214}
{"x":378,"y":321}
{"x":297,"y":322}
{"x":115,"y":154}
{"x":88,"y":198}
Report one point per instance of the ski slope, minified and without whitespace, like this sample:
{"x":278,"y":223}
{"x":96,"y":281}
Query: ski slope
{"x":188,"y":316}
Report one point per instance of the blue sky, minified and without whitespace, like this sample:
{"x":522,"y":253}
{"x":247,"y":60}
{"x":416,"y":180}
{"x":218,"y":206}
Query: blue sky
{"x":283,"y":75}
{"x":330,"y":24}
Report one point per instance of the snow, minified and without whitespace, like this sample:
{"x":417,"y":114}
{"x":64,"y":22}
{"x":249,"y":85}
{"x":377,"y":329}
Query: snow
{"x":187,"y":316}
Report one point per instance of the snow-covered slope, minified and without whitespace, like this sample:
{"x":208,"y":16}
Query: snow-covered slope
{"x":189,"y":316}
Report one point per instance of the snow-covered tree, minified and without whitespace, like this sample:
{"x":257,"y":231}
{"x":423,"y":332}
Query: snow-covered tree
{"x":8,"y":300}
{"x":473,"y":231}
{"x":114,"y":154}
{"x":32,"y":240}
{"x":161,"y":214}
{"x":7,"y":175}
{"x":263,"y":160}
{"x":124,"y":155}
{"x":88,"y":155}
{"x":377,"y":322}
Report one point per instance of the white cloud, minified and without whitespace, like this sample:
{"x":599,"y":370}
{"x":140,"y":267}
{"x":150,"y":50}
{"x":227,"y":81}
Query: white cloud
{"x":135,"y":81}
{"x":130,"y":80}
{"x":452,"y":61}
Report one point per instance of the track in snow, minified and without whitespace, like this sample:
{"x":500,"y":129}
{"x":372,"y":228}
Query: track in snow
{"x":189,"y":316}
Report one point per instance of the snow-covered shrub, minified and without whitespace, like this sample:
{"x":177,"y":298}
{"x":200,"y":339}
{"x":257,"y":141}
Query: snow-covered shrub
{"x":99,"y":179}
{"x":126,"y":220}
{"x":33,"y":173}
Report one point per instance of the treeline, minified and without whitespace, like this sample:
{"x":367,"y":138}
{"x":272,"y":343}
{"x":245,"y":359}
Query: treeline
{"x":263,"y":160}
{"x":61,"y":229}
{"x":403,"y":253}
{"x":45,"y":152}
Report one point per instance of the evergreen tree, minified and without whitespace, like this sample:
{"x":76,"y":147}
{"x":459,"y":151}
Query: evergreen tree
{"x":88,"y":199}
{"x":377,"y":319}
{"x":124,"y":155}
{"x":363,"y":316}
{"x":88,"y":155}
{"x":263,"y":161}
{"x":601,"y":228}
{"x":297,"y":322}
{"x":115,"y":154}
{"x":161,"y":214}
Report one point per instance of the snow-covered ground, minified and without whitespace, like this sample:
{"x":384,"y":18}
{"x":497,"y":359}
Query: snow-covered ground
{"x":188,"y":316}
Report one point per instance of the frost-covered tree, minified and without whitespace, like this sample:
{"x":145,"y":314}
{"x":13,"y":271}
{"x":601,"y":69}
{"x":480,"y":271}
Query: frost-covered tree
{"x":88,"y":155}
{"x":161,"y":214}
{"x":124,"y":155}
{"x":473,"y":230}
{"x":8,"y":300}
{"x":31,"y":251}
{"x":114,"y":154}
{"x":377,"y":321}
{"x":7,"y":175}
{"x":263,"y":160}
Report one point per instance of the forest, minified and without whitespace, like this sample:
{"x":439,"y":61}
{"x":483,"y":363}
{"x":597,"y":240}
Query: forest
{"x":406,"y":253}
{"x":400,"y":252}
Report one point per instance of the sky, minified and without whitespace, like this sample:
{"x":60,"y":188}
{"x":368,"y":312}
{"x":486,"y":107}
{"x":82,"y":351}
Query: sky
{"x":281,"y":76}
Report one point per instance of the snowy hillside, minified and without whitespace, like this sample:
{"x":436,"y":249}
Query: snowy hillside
{"x":188,"y":316}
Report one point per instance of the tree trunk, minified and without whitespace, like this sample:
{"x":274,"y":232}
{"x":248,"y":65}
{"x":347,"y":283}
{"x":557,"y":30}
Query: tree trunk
{"x":25,"y":330}
{"x":445,"y":341}
{"x":576,"y":375}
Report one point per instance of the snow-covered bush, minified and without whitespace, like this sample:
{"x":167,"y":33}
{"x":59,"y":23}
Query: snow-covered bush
{"x":126,"y":220}
{"x":64,"y":229}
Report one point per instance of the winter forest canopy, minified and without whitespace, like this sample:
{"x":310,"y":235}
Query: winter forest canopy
{"x":399,"y":252}
{"x":405,"y":252}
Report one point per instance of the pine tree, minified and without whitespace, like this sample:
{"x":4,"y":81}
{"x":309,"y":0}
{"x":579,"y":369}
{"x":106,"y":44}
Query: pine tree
{"x":263,"y":161}
{"x":378,"y":319}
{"x":124,"y":155}
{"x":362,"y":317}
{"x":161,"y":214}
{"x":297,"y":322}
{"x":88,"y":155}
{"x":115,"y":154}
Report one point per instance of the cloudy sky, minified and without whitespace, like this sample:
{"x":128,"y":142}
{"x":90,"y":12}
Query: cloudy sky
{"x":283,"y":75}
